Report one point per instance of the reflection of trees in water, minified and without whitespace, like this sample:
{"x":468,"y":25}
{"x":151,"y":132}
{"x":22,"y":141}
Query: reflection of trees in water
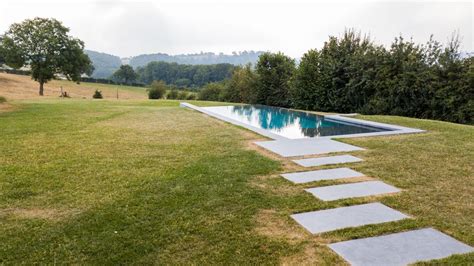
{"x":311,"y":125}
{"x":244,"y":110}
{"x":268,"y":117}
{"x":328,"y":128}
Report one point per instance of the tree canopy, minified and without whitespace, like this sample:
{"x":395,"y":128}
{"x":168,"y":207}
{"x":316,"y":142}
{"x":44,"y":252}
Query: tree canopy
{"x":274,"y":72}
{"x":125,"y":74}
{"x":44,"y":45}
{"x":184,"y":75}
{"x":351,"y":73}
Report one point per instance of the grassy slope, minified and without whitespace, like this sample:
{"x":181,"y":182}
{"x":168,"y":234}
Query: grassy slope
{"x":23,"y":87}
{"x":149,"y":182}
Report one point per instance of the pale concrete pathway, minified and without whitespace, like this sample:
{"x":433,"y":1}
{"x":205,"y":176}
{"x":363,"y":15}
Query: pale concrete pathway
{"x":319,"y":175}
{"x":309,"y":162}
{"x":343,"y":217}
{"x":353,"y":190}
{"x":302,"y":147}
{"x":400,"y":248}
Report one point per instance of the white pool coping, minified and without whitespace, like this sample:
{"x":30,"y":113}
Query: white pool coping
{"x":394,"y":129}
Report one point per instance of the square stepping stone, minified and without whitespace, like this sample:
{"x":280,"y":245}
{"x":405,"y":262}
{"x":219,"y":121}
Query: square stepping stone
{"x":318,"y":175}
{"x":327,"y":160}
{"x":400,"y":248}
{"x":343,"y":217}
{"x":300,"y":147}
{"x":360,"y":189}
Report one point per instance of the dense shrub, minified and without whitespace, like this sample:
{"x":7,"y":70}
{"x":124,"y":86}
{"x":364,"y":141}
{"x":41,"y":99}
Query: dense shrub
{"x":182,"y":95}
{"x":172,"y":94}
{"x":351,"y":74}
{"x":212,"y":92}
{"x":97,"y":94}
{"x":339,"y":77}
{"x":2,"y":99}
{"x":157,"y":90}
{"x":191,"y":96}
{"x":242,"y":86}
{"x":274,"y":72}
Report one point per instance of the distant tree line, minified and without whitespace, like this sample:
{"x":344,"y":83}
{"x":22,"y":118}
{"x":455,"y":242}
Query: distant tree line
{"x":106,"y":64}
{"x":184,"y":76}
{"x":352,"y":74}
{"x":236,"y":58}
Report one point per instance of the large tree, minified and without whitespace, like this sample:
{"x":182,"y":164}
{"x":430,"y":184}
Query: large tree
{"x":125,"y":74}
{"x":44,"y":45}
{"x":274,"y":73}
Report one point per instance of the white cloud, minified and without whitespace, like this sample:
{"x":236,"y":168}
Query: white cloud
{"x":134,"y":27}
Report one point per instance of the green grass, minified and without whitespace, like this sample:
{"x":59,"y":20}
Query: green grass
{"x":147,"y":182}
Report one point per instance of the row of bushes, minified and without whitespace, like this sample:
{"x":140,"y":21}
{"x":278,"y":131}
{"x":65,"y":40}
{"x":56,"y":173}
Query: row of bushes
{"x":159,"y":90}
{"x":110,"y":81}
{"x":353,"y":74}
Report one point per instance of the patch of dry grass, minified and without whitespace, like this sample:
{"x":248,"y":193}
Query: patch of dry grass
{"x":38,"y":213}
{"x":17,"y":87}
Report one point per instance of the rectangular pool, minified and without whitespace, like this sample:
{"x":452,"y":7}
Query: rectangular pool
{"x":289,"y":123}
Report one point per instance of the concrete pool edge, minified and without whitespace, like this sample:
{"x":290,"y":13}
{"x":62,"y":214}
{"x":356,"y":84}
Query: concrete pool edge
{"x":393,"y":129}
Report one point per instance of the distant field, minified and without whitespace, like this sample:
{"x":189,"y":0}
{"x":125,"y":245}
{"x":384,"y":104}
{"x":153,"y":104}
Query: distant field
{"x":23,"y":87}
{"x":147,"y":182}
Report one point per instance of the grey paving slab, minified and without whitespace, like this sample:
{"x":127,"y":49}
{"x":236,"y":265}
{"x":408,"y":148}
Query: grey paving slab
{"x":318,"y":175}
{"x":327,"y":160}
{"x":360,"y":189}
{"x":352,"y":216}
{"x":301,"y":147}
{"x":400,"y":248}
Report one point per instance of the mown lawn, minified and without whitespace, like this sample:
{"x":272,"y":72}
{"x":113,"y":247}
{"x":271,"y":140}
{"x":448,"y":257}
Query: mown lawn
{"x":147,"y":182}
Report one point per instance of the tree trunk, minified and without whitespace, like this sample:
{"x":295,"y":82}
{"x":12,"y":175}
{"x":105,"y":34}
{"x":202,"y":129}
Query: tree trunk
{"x":41,"y":88}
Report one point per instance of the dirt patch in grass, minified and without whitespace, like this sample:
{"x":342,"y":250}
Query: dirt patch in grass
{"x":311,"y":254}
{"x":38,"y":213}
{"x":272,"y":225}
{"x":271,"y":184}
{"x":6,"y":107}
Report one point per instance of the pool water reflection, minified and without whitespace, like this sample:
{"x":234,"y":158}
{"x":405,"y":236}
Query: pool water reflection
{"x":288,"y":123}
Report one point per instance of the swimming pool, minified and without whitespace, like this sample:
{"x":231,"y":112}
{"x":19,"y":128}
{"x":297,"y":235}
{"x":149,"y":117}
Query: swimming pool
{"x":291,"y":124}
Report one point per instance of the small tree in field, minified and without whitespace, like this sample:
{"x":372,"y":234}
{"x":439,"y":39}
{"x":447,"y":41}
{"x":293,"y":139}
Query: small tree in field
{"x":44,"y":45}
{"x":125,"y":74}
{"x":157,"y":89}
{"x":97,"y":95}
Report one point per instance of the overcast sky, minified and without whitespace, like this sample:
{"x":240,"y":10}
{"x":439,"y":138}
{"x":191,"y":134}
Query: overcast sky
{"x":127,"y":28}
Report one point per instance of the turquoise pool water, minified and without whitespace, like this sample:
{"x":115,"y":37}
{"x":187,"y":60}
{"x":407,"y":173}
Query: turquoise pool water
{"x":290,"y":124}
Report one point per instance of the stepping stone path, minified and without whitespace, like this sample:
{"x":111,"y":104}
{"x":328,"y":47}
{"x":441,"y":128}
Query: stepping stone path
{"x":400,"y":248}
{"x":394,"y":249}
{"x":319,"y":175}
{"x":361,"y":189}
{"x":301,"y":147}
{"x":352,"y":216}
{"x":327,"y":160}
